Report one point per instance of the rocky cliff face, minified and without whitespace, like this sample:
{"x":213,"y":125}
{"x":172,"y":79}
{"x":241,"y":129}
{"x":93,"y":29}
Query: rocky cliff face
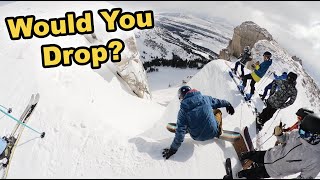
{"x":247,"y":34}
{"x":130,"y":68}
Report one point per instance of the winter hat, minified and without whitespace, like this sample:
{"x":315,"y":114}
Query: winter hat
{"x":267,"y":53}
{"x":302,"y":112}
{"x":292,"y":76}
{"x":183,"y":91}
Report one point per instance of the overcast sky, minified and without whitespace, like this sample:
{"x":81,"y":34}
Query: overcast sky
{"x":295,"y":25}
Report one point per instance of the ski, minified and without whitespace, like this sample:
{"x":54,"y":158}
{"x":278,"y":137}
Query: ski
{"x":14,"y":138}
{"x":258,"y":129}
{"x":248,"y":102}
{"x":248,"y":138}
{"x":228,"y":169}
{"x":23,"y":114}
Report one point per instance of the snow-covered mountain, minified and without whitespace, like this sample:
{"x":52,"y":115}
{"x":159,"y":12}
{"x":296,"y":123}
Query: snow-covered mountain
{"x":186,"y":36}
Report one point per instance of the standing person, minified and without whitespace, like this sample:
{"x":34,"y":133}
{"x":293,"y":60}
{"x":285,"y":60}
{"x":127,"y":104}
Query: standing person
{"x":299,"y":153}
{"x":269,"y":86}
{"x":257,"y":74}
{"x":279,"y":99}
{"x":196,"y":117}
{"x":245,"y":57}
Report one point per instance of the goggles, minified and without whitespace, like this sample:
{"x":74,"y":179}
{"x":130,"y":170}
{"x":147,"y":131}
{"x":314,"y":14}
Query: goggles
{"x":311,"y":138}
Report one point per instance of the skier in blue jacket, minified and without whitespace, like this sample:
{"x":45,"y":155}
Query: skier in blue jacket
{"x":284,"y":76}
{"x":257,"y":74}
{"x":196,"y":118}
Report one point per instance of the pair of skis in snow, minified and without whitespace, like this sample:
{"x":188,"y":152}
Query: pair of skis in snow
{"x":15,"y":135}
{"x":248,"y":102}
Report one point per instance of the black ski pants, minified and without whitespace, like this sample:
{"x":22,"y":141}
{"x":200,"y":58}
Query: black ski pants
{"x":256,"y":172}
{"x":252,"y":84}
{"x":242,"y":67}
{"x":267,"y":113}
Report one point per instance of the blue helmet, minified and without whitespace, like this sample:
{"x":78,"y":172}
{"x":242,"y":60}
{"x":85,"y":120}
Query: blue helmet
{"x":183,"y":91}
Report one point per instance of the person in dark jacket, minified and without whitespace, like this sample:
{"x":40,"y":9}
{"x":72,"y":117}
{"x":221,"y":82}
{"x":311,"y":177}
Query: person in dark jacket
{"x":269,"y":86}
{"x":284,"y":97}
{"x":245,"y":57}
{"x":196,"y":117}
{"x":298,"y":153}
{"x":257,"y":74}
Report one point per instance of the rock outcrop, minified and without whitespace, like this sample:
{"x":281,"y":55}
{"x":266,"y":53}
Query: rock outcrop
{"x":247,"y":34}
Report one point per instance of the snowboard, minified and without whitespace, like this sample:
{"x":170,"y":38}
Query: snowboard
{"x":248,"y":139}
{"x":240,"y":147}
{"x":226,"y":135}
{"x":228,"y":169}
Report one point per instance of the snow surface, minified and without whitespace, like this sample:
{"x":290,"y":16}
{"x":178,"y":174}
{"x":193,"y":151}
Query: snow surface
{"x":94,"y":127}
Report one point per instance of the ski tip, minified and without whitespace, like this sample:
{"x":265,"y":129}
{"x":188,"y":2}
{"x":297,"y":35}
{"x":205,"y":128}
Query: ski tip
{"x":43,"y":134}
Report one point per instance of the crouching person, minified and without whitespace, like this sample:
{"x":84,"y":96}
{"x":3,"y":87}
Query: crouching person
{"x":298,"y":153}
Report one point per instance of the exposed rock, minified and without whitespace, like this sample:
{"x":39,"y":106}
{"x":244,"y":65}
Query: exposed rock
{"x":247,"y":34}
{"x":295,"y":58}
{"x":131,"y":70}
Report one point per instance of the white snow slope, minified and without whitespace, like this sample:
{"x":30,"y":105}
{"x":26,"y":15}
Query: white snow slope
{"x":94,"y":128}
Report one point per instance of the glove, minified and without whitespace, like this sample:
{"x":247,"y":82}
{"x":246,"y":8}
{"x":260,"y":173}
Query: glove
{"x":278,"y":130}
{"x":230,"y":109}
{"x":167,"y":153}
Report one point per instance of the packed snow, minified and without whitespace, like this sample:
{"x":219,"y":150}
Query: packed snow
{"x":95,"y":127}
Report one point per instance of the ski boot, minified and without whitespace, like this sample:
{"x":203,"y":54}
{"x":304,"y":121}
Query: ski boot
{"x":245,"y":155}
{"x":262,"y":97}
{"x":259,"y":123}
{"x":241,"y":88}
{"x":234,"y":71}
{"x":248,"y":97}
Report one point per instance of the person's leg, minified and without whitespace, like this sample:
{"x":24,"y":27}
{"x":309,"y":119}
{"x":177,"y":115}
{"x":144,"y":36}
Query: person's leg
{"x":252,"y":85}
{"x":255,"y":156}
{"x":236,"y":66}
{"x":267,"y":114}
{"x":245,"y":79}
{"x":266,"y":89}
{"x":242,"y":70}
{"x":218,"y":115}
{"x":254,"y":173}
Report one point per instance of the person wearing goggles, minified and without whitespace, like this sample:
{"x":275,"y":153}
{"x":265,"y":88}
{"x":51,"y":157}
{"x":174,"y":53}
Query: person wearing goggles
{"x":197,"y":118}
{"x":299,"y":152}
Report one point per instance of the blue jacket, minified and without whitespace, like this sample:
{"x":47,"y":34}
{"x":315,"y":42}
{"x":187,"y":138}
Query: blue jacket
{"x":196,"y":117}
{"x":261,"y":70}
{"x":284,"y":76}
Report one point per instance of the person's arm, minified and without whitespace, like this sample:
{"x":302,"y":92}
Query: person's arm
{"x":218,"y":103}
{"x":293,"y":98}
{"x":180,"y":130}
{"x":310,"y":172}
{"x":274,"y":86}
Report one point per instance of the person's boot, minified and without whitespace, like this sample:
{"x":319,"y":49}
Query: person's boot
{"x":245,"y":155}
{"x":241,"y":88}
{"x":262,"y":97}
{"x":259,"y":123}
{"x":248,"y":97}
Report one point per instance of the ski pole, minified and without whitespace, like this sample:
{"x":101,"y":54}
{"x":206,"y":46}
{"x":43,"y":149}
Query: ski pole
{"x":41,"y":134}
{"x":266,"y":140}
{"x":9,"y":109}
